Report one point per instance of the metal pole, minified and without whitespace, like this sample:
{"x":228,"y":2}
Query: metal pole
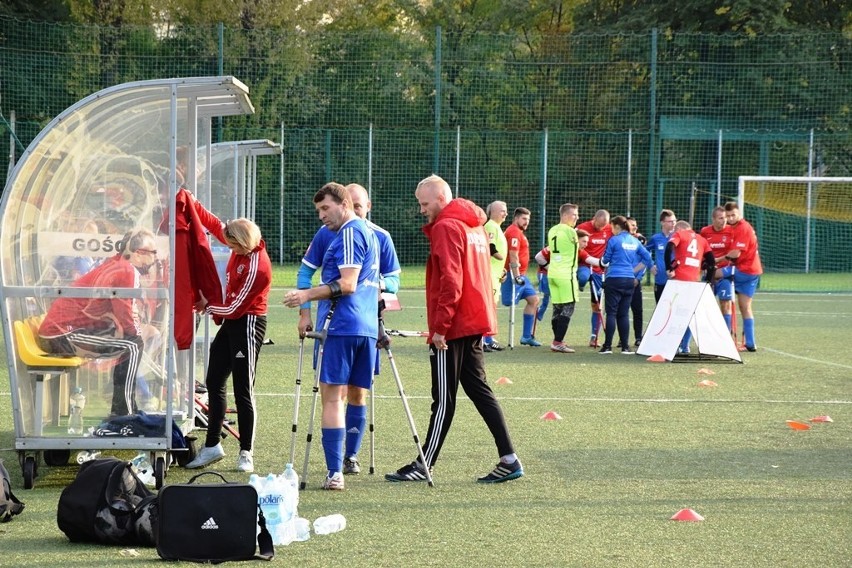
{"x":370,"y":167}
{"x":810,"y":198}
{"x":12,"y":139}
{"x":437,"y":150}
{"x":281,"y":200}
{"x":458,"y":157}
{"x":652,"y":112}
{"x":719,"y":170}
{"x":544,"y":144}
{"x":629,"y":168}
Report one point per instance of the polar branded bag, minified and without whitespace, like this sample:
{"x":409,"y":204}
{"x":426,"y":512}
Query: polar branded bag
{"x":108,"y":504}
{"x":9,"y":504}
{"x":211,"y":522}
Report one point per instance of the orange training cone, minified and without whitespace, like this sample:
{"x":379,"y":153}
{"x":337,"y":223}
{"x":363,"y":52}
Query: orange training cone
{"x":687,"y":515}
{"x":796,"y":425}
{"x":821,"y":419}
{"x":706,"y":372}
{"x":504,"y":381}
{"x":656,"y":358}
{"x":707,"y":383}
{"x":550,"y":415}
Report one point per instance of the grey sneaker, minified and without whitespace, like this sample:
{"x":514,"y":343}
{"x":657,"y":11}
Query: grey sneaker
{"x":503,"y":472}
{"x":207,"y":456}
{"x":245,"y":462}
{"x":351,"y":466}
{"x":334,"y":483}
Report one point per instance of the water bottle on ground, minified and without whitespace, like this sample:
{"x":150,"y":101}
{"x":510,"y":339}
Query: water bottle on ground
{"x":143,"y":468}
{"x":330,"y":524}
{"x":291,"y":479}
{"x":303,"y":529}
{"x":75,"y":416}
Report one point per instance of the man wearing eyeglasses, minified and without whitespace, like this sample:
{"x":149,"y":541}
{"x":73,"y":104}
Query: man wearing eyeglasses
{"x":95,"y":327}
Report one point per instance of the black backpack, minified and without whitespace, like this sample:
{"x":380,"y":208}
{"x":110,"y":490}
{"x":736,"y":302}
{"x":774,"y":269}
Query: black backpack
{"x":9,"y":504}
{"x":106,"y":503}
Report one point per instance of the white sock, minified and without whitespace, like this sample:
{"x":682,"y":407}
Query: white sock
{"x":509,"y":459}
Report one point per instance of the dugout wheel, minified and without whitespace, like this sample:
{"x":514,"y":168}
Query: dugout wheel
{"x":57,"y":457}
{"x":159,"y":471}
{"x":29,"y":470}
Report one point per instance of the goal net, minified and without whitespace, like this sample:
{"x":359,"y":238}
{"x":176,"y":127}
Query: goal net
{"x":804,"y":226}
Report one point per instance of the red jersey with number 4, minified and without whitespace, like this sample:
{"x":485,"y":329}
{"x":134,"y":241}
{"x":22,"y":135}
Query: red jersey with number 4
{"x":745,"y":240}
{"x":689,"y":251}
{"x":517,"y":241}
{"x":597,"y":241}
{"x":720,"y":242}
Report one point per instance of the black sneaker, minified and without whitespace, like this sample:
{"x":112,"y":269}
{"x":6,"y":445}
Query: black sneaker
{"x":487,"y":348}
{"x":751,"y":349}
{"x":351,"y":466}
{"x":411,"y":472}
{"x":605,"y":350}
{"x":638,"y":342}
{"x":496,"y":346}
{"x":503,"y":472}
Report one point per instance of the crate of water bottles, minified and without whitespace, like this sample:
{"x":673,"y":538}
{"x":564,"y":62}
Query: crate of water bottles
{"x":278,"y":497}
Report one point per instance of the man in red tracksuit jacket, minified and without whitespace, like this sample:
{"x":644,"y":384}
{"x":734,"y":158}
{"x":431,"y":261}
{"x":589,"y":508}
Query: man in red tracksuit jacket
{"x":460,"y":310}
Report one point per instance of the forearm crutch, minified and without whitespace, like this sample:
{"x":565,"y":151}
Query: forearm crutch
{"x":296,"y":400}
{"x":512,"y":315}
{"x":320,"y":337}
{"x":384,"y":343}
{"x":373,"y":426}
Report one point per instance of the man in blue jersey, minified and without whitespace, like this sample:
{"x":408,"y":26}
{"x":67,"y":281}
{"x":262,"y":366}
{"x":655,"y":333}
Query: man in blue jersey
{"x":350,"y":280}
{"x":656,"y":245}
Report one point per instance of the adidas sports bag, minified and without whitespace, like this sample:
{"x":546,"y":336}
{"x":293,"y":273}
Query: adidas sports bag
{"x":211,"y":522}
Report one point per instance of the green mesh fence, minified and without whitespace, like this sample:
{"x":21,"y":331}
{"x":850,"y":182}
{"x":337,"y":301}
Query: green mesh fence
{"x":627,"y":122}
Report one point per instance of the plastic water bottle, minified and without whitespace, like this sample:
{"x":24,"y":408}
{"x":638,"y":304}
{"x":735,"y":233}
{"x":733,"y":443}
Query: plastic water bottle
{"x":143,"y":468}
{"x":330,"y":524}
{"x":272,"y":503}
{"x":75,"y":416}
{"x":291,"y":479}
{"x":303,"y":529}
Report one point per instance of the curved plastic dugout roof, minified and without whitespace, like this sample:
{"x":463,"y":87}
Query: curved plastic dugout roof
{"x":233,"y":176}
{"x":105,"y":165}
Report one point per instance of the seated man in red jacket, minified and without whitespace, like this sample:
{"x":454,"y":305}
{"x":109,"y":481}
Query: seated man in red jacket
{"x":92,"y":327}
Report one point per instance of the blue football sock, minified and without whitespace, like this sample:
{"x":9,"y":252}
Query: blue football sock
{"x":528,"y":324}
{"x":488,"y":339}
{"x":748,"y":332}
{"x":727,"y":320}
{"x":596,"y":322}
{"x":332,"y":445}
{"x":684,"y":343}
{"x":356,"y":422}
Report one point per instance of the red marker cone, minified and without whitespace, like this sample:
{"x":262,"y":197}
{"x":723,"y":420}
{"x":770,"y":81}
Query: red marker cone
{"x":504,"y":381}
{"x":707,"y":383}
{"x":821,"y":419}
{"x":796,"y":425}
{"x":550,"y":415}
{"x":656,"y":358}
{"x":706,"y":372}
{"x":687,"y":515}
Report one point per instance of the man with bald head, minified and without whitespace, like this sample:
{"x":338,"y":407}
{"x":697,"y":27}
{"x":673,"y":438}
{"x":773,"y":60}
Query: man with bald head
{"x":459,"y":311}
{"x":600,"y":232}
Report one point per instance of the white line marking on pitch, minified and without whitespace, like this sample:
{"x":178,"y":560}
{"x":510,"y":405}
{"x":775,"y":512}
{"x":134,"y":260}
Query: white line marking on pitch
{"x":794,"y":356}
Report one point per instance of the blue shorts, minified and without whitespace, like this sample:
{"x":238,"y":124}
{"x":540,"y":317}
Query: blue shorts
{"x":583,"y":275}
{"x":521,"y":292}
{"x":746,"y":284}
{"x":348,"y":360}
{"x":724,"y":289}
{"x":597,"y":286}
{"x":543,"y":284}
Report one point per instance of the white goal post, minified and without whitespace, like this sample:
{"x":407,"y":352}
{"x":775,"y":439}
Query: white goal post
{"x":809,"y":208}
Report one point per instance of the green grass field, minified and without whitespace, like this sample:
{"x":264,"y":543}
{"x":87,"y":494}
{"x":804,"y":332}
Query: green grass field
{"x":637,"y":442}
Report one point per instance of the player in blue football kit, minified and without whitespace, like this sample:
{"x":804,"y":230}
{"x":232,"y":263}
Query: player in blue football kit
{"x":389,"y":269}
{"x":350,"y":280}
{"x":656,"y":245}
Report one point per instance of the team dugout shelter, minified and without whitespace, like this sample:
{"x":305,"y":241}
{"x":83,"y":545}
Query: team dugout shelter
{"x":109,"y":164}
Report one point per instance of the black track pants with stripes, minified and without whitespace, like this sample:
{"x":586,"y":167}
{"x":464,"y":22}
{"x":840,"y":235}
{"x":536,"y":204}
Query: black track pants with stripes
{"x":462,"y":363}
{"x":234,"y":352}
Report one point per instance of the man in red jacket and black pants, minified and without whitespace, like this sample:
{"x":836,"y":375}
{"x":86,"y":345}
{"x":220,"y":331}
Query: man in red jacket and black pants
{"x":460,"y":310}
